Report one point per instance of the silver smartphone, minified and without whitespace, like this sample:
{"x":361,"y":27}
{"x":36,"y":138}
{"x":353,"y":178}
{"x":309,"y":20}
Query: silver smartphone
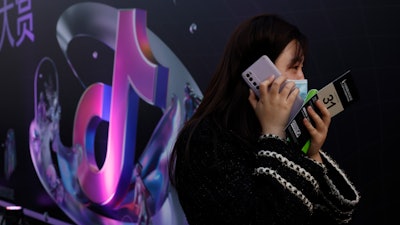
{"x":261,"y":70}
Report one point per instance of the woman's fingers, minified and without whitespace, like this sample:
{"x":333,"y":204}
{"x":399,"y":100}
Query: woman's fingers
{"x":323,"y":117}
{"x":264,"y":86}
{"x":253,"y":99}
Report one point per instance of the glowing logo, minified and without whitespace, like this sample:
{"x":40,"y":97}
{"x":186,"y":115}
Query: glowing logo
{"x":131,"y":185}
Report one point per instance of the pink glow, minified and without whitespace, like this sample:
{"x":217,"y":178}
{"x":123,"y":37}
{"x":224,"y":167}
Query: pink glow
{"x":134,"y":76}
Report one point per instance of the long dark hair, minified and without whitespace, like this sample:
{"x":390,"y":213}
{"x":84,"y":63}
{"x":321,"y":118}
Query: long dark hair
{"x":226,"y":98}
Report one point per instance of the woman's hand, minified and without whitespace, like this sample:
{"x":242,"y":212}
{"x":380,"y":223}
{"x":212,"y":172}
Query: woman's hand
{"x":274,"y":104}
{"x":318,"y":132}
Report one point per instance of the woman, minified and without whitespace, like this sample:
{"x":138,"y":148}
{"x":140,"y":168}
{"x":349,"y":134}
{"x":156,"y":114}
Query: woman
{"x":231,"y":163}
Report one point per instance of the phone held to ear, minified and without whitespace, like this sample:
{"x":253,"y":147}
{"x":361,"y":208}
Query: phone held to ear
{"x":261,"y":70}
{"x":336,"y":96}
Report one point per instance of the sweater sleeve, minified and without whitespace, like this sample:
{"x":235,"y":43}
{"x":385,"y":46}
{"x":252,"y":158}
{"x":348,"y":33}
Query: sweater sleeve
{"x":338,"y":196}
{"x":301,"y":190}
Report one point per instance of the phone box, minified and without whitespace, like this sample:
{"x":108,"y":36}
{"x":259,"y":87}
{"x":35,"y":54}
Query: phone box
{"x":337,"y":96}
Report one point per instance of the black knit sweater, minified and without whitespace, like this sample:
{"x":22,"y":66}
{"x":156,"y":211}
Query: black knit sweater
{"x":224,"y":180}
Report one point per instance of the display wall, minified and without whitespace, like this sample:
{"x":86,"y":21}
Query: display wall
{"x":94,"y":92}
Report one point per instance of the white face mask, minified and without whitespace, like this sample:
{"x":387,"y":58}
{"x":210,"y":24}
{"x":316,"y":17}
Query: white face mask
{"x":302,"y":85}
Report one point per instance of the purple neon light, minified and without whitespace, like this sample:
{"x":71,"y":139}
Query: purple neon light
{"x":132,"y":70}
{"x":142,"y":194}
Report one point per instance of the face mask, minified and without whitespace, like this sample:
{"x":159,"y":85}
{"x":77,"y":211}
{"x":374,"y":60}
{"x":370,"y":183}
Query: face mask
{"x":302,"y":85}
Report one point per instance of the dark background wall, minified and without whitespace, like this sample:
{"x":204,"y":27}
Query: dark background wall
{"x":361,"y":35}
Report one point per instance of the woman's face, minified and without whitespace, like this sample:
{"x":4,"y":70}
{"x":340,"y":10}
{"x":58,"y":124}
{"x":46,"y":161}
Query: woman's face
{"x":284,"y":63}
